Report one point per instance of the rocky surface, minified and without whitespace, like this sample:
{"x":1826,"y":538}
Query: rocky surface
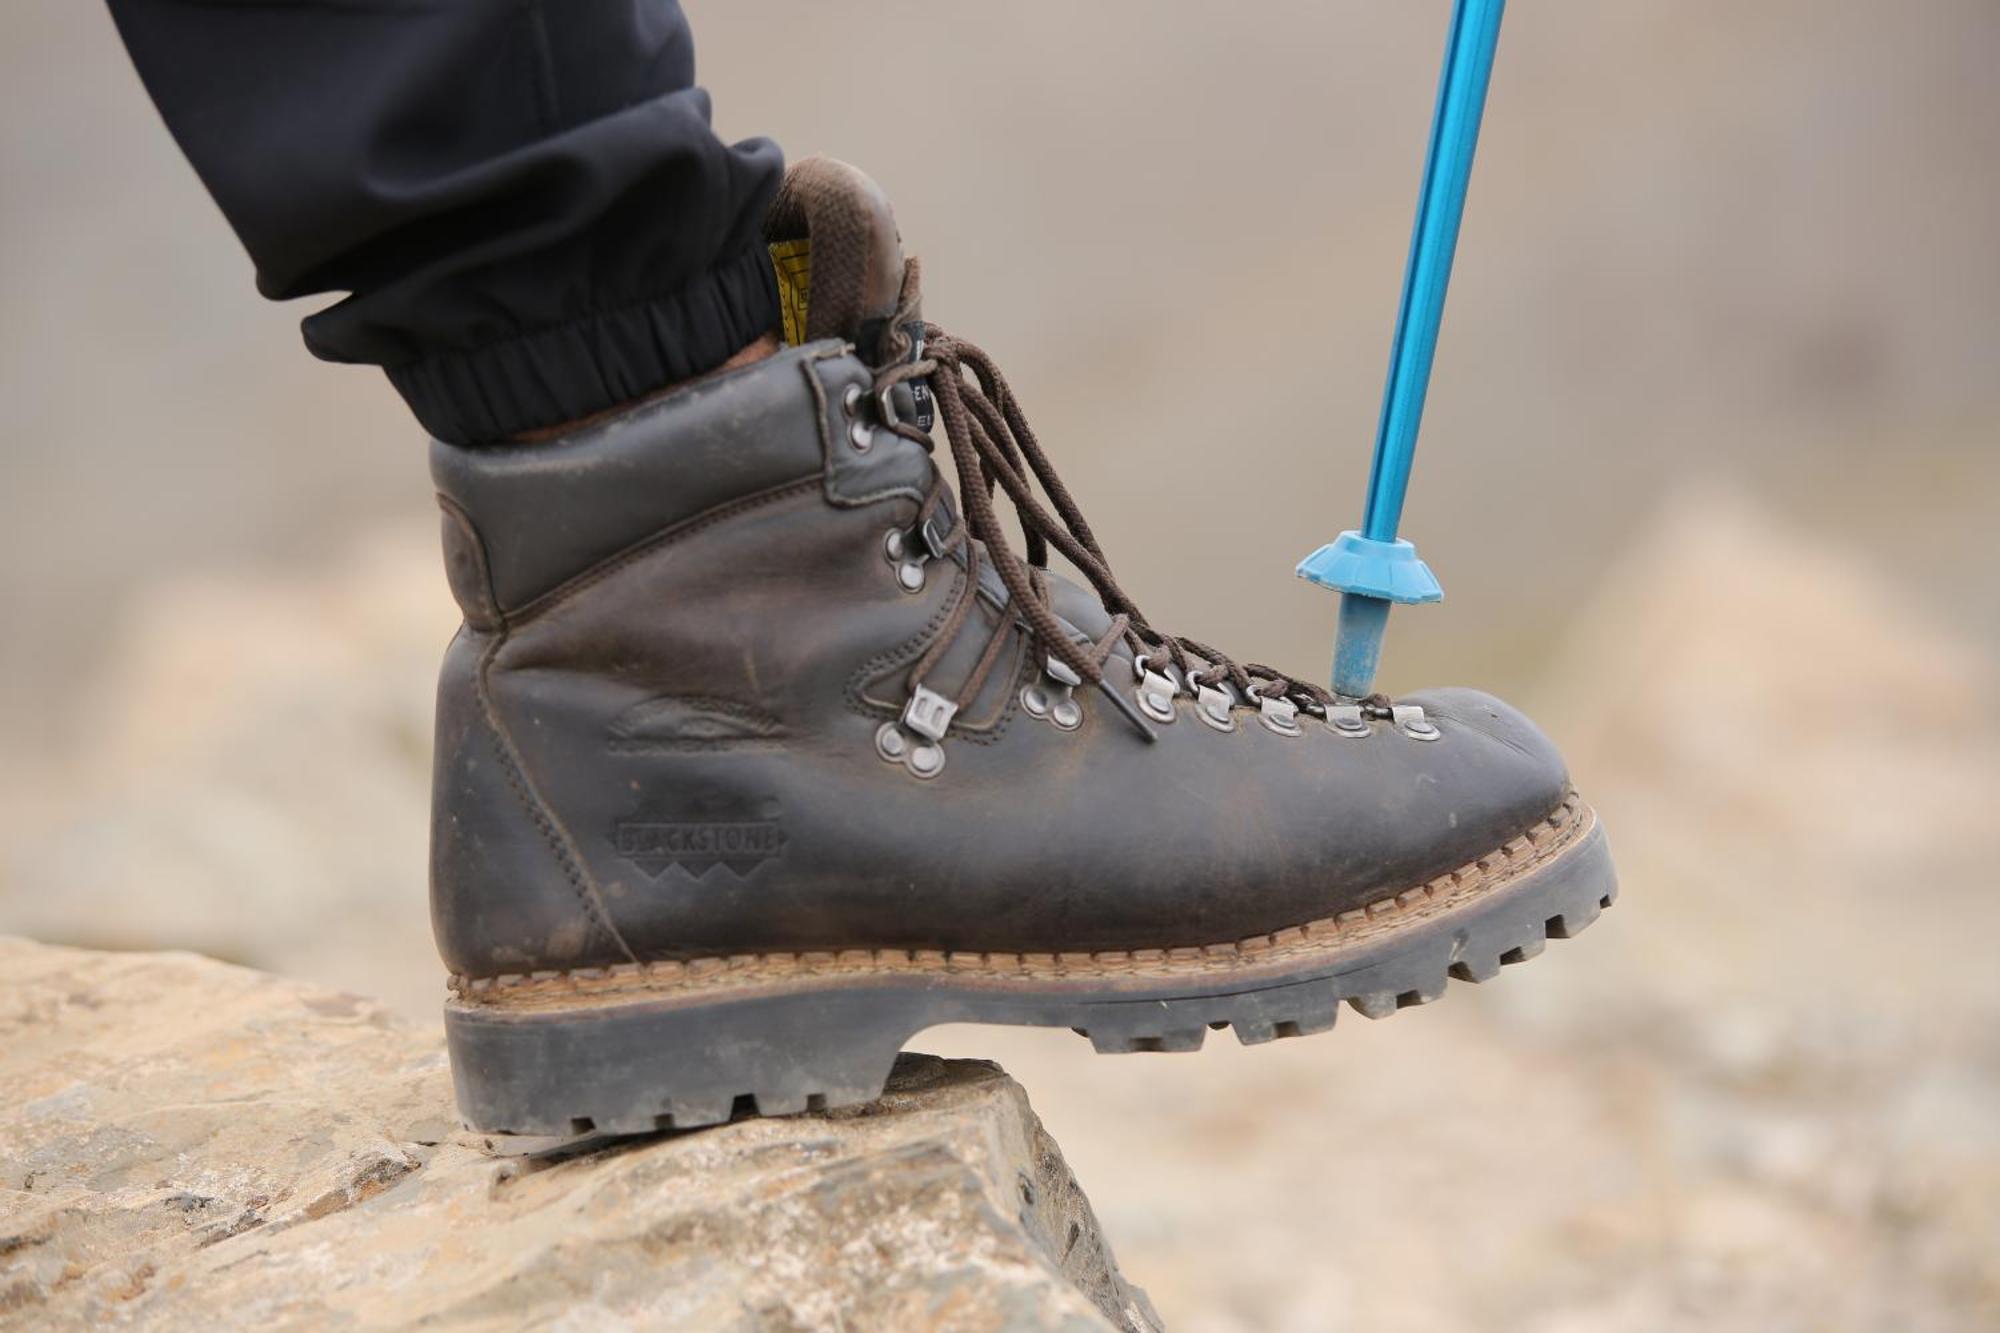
{"x":184,"y":1142}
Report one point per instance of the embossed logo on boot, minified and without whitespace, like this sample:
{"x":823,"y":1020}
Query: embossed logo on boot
{"x":681,"y":722}
{"x":700,"y":837}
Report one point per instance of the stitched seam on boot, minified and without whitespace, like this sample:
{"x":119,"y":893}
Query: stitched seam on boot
{"x":552,"y":830}
{"x":826,"y":440}
{"x":1010,"y":706}
{"x":542,"y":603}
{"x":1563,"y":828}
{"x":909,"y":651}
{"x":557,"y":836}
{"x":857,"y":700}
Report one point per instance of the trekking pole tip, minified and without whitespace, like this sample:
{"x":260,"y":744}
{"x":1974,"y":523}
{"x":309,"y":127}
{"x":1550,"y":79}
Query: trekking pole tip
{"x":1370,"y":576}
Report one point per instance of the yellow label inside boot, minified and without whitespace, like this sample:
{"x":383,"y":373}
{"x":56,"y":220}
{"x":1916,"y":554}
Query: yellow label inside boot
{"x":792,"y":261}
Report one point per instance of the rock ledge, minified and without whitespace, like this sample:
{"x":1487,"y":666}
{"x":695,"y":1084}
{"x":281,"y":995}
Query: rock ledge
{"x":182,"y":1141}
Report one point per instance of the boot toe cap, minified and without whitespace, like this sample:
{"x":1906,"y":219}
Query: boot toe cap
{"x":1489,"y":777}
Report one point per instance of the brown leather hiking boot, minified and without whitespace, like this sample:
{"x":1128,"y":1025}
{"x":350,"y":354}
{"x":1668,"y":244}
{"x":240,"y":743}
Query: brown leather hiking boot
{"x":759,"y":753}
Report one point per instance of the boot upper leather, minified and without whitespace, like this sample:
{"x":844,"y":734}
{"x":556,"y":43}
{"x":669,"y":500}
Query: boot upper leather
{"x":658,"y":729}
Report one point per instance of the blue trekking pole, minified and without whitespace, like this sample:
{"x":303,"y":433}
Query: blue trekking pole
{"x":1372,"y":568}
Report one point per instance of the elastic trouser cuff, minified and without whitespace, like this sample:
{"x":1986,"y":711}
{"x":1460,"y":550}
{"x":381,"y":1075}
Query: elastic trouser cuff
{"x":570,"y":371}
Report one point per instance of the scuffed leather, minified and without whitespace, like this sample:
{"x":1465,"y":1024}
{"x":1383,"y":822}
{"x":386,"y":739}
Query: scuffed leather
{"x":504,"y":888}
{"x":703,"y":635}
{"x":546,"y":511}
{"x":465,"y":568}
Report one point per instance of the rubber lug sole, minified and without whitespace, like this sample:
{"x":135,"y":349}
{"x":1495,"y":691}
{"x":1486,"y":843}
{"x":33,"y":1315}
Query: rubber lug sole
{"x":538,"y":1076}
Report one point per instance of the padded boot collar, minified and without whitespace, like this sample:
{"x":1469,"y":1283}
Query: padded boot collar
{"x":539,"y":514}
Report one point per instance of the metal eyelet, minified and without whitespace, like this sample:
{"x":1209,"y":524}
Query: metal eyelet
{"x":1060,"y":711}
{"x":907,"y":558}
{"x":917,"y":741}
{"x":1346,"y":720}
{"x":1214,"y":706}
{"x":1280,"y":715}
{"x":923,"y":757}
{"x":1053,"y":699}
{"x":1156,"y":697}
{"x":927,"y":760}
{"x":860,"y":431}
{"x":1156,"y":691}
{"x":1410,"y":720}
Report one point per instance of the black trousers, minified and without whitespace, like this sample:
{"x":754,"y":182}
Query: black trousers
{"x":522,"y":200}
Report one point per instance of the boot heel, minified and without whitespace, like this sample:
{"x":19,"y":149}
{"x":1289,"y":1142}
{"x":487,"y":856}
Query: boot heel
{"x":639,"y":1066}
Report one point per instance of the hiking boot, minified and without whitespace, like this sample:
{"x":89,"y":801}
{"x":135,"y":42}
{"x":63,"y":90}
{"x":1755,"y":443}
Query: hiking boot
{"x":760,"y":752}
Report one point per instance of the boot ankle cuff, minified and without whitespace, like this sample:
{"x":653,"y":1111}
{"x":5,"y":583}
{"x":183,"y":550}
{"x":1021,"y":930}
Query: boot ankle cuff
{"x":569,"y":371}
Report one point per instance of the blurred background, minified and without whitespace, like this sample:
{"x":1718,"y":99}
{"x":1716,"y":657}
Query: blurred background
{"x":1709,"y":473}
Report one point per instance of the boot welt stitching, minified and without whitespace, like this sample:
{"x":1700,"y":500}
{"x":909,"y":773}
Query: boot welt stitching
{"x":1560,"y":830}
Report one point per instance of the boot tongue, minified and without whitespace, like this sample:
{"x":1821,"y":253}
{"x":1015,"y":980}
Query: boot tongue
{"x":839,"y":262}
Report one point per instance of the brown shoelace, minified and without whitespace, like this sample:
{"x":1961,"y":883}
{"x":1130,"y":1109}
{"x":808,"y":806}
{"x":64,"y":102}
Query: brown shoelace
{"x":993,"y":448}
